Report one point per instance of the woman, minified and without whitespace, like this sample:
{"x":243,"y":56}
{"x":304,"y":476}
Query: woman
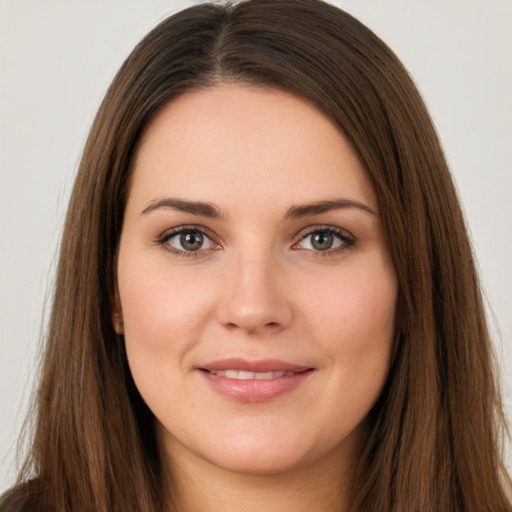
{"x":266,"y":295}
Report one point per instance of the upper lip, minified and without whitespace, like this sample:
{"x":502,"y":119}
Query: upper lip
{"x":256,"y":366}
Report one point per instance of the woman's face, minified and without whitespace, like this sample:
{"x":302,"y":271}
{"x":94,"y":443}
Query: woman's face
{"x":255,"y":283}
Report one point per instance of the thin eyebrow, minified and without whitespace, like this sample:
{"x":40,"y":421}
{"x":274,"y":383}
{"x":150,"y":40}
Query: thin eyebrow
{"x":317,"y":207}
{"x":182,"y":205}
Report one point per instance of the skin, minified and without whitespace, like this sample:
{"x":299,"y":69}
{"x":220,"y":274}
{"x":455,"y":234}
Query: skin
{"x":257,"y":288}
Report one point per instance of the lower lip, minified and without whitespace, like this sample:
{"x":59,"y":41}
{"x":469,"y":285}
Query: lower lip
{"x":255,"y":390}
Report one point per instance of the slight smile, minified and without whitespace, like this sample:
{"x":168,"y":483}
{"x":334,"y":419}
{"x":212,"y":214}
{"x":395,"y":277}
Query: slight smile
{"x":243,"y":375}
{"x":254,"y":381}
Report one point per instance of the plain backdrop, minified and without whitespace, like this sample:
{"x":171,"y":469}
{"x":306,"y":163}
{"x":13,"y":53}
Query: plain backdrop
{"x":57,"y":58}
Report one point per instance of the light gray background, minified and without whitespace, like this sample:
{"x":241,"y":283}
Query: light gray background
{"x":57,"y":58}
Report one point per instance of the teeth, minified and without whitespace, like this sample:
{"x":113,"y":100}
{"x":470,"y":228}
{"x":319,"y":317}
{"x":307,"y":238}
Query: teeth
{"x":268,"y":375}
{"x":243,"y":375}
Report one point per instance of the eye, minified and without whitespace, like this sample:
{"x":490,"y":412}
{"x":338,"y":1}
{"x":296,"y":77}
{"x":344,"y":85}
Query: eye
{"x":187,"y":240}
{"x":326,"y":240}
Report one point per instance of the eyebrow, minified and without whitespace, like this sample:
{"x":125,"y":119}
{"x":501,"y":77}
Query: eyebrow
{"x":295,"y":212}
{"x":194,"y":207}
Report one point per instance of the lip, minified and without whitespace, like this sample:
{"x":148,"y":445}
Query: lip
{"x":254,"y":390}
{"x":261,"y":365}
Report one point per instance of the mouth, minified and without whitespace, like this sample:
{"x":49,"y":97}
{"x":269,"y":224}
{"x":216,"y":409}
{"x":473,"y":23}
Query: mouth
{"x":254,"y":381}
{"x":245,"y":375}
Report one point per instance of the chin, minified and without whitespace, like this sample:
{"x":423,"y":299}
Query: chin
{"x":274,"y":454}
{"x":249,"y":453}
{"x":270,"y":461}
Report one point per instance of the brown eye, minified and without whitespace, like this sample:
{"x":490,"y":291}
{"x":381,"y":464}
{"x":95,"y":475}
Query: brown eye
{"x":322,"y":241}
{"x":187,"y":241}
{"x":326,"y":240}
{"x":191,"y":240}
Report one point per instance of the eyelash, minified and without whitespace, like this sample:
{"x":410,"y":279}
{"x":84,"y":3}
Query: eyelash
{"x":163,"y":241}
{"x":346,"y":239}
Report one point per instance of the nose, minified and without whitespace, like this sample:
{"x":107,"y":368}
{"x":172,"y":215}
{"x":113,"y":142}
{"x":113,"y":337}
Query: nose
{"x":254,"y":298}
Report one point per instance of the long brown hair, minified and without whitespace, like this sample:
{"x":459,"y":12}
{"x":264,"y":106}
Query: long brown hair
{"x":435,"y":430}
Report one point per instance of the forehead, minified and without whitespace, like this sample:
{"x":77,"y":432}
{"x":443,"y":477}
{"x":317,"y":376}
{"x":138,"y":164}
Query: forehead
{"x":261,"y":143}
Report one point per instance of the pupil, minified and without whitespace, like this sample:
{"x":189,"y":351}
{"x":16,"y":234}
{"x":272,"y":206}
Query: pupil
{"x":191,"y":241}
{"x":322,"y":241}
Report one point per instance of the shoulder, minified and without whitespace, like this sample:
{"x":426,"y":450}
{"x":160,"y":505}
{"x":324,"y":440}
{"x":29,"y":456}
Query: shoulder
{"x":22,"y":498}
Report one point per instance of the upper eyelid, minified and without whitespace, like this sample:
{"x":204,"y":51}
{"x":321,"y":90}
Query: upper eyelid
{"x":308,"y":230}
{"x":168,"y":233}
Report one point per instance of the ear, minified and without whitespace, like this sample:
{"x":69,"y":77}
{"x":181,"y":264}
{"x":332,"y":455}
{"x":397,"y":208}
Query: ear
{"x":117,"y":311}
{"x":117,"y":314}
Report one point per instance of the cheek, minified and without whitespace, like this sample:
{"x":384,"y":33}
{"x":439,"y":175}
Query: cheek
{"x":163,"y":317}
{"x":159,"y":308}
{"x":357,"y":306}
{"x":354,"y":324}
{"x":359,"y":344}
{"x":164,"y":314}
